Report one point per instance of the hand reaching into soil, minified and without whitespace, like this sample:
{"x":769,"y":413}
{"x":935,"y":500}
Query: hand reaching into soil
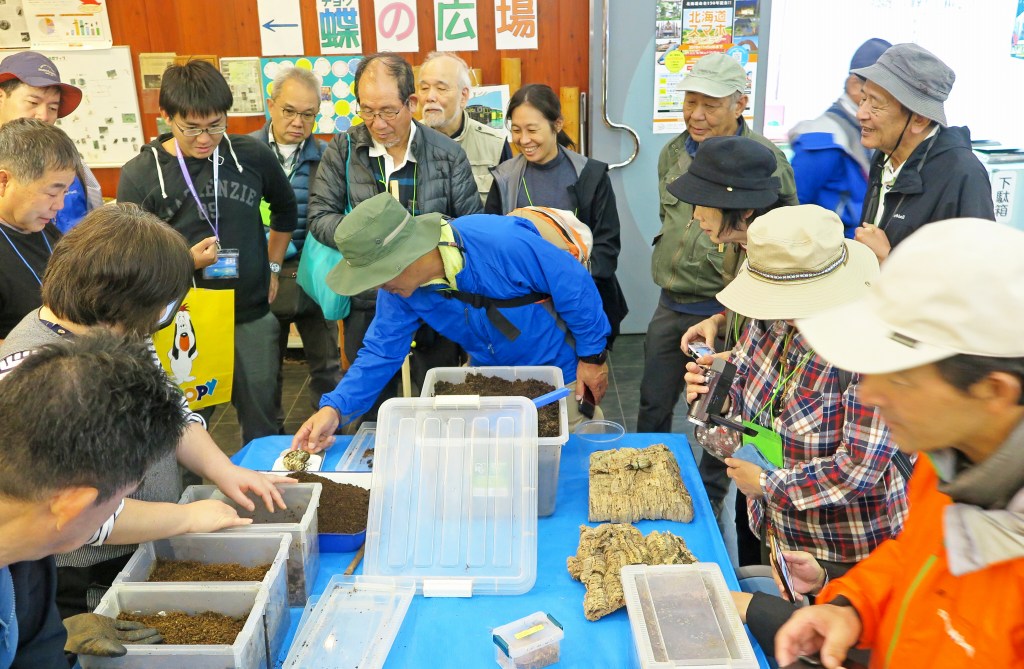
{"x":594,"y":377}
{"x":235,"y":482}
{"x":92,"y":634}
{"x":210,"y":515}
{"x":317,"y":433}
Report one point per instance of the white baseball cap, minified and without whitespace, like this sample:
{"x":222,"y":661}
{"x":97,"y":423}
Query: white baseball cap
{"x":953,"y":287}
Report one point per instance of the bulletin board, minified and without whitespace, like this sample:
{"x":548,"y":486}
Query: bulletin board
{"x":106,"y":127}
{"x":337,"y":101}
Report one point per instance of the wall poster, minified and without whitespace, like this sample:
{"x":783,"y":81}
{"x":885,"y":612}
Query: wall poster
{"x":337,"y":101}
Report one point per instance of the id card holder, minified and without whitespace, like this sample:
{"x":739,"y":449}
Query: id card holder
{"x":766,"y":440}
{"x":226,"y":266}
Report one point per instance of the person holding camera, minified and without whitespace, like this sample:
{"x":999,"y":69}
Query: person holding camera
{"x":817,"y":464}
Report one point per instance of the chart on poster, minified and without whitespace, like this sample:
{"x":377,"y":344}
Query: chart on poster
{"x":106,"y":127}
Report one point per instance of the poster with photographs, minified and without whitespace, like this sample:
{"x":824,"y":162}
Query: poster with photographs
{"x":13,"y":27}
{"x":687,"y":30}
{"x":246,"y":84}
{"x":106,"y":127}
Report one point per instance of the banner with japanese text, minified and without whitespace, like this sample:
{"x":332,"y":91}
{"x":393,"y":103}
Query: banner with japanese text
{"x":396,"y":25}
{"x":456,"y":25}
{"x":339,"y":26}
{"x":687,"y":30}
{"x":515,"y":24}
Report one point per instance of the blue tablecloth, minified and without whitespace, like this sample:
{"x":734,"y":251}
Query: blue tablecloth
{"x":440,"y":632}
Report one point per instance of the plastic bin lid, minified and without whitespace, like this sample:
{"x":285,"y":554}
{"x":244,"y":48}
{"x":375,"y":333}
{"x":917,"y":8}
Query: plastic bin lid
{"x":358,"y":457}
{"x":453,"y":502}
{"x":354,"y":623}
{"x":684,"y":616}
{"x":528,"y":634}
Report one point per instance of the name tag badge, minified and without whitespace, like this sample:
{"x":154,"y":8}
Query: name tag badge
{"x":226,"y":266}
{"x":766,"y":441}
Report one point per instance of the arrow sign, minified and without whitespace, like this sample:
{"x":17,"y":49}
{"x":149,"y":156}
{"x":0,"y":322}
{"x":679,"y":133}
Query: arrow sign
{"x":276,"y":15}
{"x":270,"y":25}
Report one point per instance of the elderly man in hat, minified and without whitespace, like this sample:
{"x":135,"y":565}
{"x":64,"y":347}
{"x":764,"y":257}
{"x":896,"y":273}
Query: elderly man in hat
{"x":686,"y":264}
{"x":946,"y":372}
{"x":455,"y":276}
{"x":829,"y":161}
{"x":924,"y":170}
{"x":30,"y":87}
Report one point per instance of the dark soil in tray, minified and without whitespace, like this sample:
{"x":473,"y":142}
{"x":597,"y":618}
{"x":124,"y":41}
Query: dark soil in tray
{"x":191,"y":570}
{"x":548,"y":424}
{"x":202,"y":629}
{"x":343,"y":507}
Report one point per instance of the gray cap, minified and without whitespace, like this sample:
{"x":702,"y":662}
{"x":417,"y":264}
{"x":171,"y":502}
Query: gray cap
{"x":914,"y":76}
{"x":715,"y":75}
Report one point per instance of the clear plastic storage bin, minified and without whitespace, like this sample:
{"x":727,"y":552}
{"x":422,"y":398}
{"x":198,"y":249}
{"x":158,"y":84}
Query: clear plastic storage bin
{"x":248,"y":550}
{"x":550,"y":447}
{"x":353,"y":624}
{"x":682,"y":615}
{"x":358,"y":457}
{"x":298,"y":520}
{"x":249,"y":651}
{"x":454,"y":498}
{"x":532,"y":642}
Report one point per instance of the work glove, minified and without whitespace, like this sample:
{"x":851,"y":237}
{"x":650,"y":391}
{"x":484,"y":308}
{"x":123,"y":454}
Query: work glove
{"x":93,"y":634}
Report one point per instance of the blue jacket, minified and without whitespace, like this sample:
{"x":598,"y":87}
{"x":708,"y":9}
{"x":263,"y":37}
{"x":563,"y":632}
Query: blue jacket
{"x":309,"y":159}
{"x":505,"y":257}
{"x":8,"y":621}
{"x":830,"y":165}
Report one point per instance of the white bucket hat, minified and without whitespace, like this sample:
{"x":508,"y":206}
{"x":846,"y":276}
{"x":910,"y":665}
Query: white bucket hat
{"x":953,"y":287}
{"x":798,"y":264}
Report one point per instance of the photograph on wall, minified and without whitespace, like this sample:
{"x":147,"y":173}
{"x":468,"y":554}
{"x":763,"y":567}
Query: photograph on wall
{"x":1017,"y":39}
{"x":338,"y":103}
{"x":246,"y":84}
{"x":13,"y":29}
{"x":487,"y":105}
{"x":687,"y":30}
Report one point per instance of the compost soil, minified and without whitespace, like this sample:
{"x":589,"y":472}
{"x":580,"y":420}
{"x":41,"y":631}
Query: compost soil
{"x":343,"y":507}
{"x":548,"y":424}
{"x":191,"y":570}
{"x":201,"y":629}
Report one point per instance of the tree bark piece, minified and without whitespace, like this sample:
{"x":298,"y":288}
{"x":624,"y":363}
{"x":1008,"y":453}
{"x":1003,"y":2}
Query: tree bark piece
{"x":631,"y":484}
{"x":604,"y":550}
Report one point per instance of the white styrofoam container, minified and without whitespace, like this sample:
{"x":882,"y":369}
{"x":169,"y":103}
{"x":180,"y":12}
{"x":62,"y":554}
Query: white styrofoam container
{"x":248,"y":550}
{"x":249,"y":651}
{"x":682,"y":615}
{"x":299,"y":520}
{"x":550,"y":453}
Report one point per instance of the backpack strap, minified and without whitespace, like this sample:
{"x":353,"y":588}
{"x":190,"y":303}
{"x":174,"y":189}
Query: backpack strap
{"x":498,"y":319}
{"x":899,"y":458}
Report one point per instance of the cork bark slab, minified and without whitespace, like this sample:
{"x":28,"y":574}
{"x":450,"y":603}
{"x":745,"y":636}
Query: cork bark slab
{"x":631,"y":484}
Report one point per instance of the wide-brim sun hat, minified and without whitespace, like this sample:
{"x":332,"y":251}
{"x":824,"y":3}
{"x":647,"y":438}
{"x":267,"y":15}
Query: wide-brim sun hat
{"x":729,"y":173}
{"x":379,"y":239}
{"x":915,"y":77}
{"x":35,"y":69}
{"x":799,"y":264}
{"x":952,"y":288}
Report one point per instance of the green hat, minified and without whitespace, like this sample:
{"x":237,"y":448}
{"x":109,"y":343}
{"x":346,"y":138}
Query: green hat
{"x":716,"y":75}
{"x":378,"y":240}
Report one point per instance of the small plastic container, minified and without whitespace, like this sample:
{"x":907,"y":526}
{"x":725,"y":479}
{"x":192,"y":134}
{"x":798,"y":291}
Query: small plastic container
{"x":550,"y":454}
{"x":682,"y":615}
{"x":358,"y":457}
{"x":248,"y":550}
{"x":354,"y":623}
{"x":298,"y":520}
{"x":249,"y":651}
{"x":532,"y":642}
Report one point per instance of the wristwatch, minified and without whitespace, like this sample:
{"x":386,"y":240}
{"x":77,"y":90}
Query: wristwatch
{"x":595,"y":359}
{"x":275,"y":268}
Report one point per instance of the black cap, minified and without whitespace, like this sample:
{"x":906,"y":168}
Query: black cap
{"x":729,"y":173}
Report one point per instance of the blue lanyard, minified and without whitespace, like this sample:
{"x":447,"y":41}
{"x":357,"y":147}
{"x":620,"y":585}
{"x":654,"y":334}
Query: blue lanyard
{"x":215,"y":223}
{"x":48,"y":248}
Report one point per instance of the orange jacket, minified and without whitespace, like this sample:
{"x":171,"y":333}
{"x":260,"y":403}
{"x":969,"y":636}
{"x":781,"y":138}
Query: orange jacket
{"x":916,"y":613}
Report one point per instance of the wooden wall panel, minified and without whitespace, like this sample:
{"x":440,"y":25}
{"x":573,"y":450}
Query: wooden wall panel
{"x":231,"y":28}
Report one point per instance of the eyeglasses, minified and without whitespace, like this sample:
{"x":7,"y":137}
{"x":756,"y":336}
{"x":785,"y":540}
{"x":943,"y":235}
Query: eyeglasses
{"x":195,"y":132}
{"x":288,"y":113}
{"x":386,"y":114}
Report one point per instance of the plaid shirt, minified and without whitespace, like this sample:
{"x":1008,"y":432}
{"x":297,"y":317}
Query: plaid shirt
{"x":838,"y":494}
